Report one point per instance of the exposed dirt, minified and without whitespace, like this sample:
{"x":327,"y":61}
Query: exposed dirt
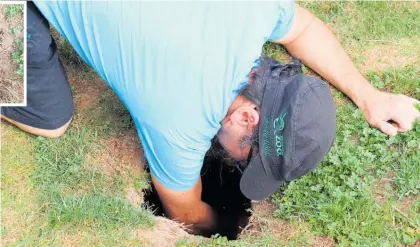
{"x":165,"y":233}
{"x":122,"y":151}
{"x":380,"y":56}
{"x":405,"y":204}
{"x":383,"y":188}
{"x":11,"y":84}
{"x":263,"y":223}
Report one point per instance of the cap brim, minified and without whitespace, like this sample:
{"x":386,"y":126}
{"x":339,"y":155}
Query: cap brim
{"x":255,"y":183}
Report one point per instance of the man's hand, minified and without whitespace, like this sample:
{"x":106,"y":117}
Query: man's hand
{"x":186,"y":207}
{"x":380,"y":107}
{"x":313,"y":43}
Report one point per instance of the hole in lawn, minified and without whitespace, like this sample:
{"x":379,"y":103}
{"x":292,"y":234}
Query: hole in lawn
{"x":221,"y":191}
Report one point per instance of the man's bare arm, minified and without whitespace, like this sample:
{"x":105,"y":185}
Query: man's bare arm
{"x":313,"y":43}
{"x":188,"y":208}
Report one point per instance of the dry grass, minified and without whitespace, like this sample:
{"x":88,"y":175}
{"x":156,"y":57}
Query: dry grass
{"x":379,"y":56}
{"x":263,"y":224}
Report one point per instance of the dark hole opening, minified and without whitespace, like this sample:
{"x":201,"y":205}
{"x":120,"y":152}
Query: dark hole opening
{"x":221,"y":191}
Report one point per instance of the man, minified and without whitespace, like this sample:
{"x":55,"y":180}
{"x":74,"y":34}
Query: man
{"x":181,"y":70}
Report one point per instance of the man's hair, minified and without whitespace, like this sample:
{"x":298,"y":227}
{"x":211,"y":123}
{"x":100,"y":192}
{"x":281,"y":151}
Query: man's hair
{"x":258,"y":78}
{"x":253,"y":91}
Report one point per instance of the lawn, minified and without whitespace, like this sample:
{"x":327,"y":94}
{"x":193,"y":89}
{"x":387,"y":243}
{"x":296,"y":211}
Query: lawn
{"x":85,"y":188}
{"x":11,"y":54}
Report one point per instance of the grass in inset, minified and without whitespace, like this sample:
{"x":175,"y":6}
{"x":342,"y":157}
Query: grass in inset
{"x":17,"y":56}
{"x":11,"y":57}
{"x":12,"y":10}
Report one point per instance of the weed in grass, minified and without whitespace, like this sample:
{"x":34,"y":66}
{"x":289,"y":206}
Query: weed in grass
{"x":15,"y":29}
{"x":336,"y":199}
{"x":13,"y":9}
{"x":17,"y":55}
{"x":407,"y":172}
{"x":265,"y":240}
{"x":143,"y":182}
{"x":402,"y":81}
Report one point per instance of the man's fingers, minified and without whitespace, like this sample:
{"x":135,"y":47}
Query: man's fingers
{"x":405,"y":113}
{"x":412,"y":100}
{"x":404,"y":120}
{"x":387,"y":128}
{"x":416,"y":113}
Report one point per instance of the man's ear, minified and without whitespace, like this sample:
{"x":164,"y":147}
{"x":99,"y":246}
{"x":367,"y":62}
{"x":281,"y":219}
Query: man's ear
{"x":246,"y":116}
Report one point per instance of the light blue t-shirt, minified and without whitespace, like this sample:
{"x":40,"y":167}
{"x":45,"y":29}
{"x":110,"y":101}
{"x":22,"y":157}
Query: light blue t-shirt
{"x":177,"y":66}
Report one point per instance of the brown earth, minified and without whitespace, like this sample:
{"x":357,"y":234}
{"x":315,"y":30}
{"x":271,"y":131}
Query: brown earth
{"x":379,"y":56}
{"x":165,"y":233}
{"x":11,"y":84}
{"x":263,"y":223}
{"x":383,"y":188}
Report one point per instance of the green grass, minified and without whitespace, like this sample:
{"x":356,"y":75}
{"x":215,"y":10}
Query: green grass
{"x":260,"y":241}
{"x":73,"y":194}
{"x":365,"y":193}
{"x":109,"y":116}
{"x":362,"y":21}
{"x":12,"y":10}
{"x":340,"y":198}
{"x":94,"y":210}
{"x":337,"y":199}
{"x":76,"y":191}
{"x":400,"y":81}
{"x":16,"y":29}
{"x":61,"y":158}
{"x":17,"y":56}
{"x":16,"y":11}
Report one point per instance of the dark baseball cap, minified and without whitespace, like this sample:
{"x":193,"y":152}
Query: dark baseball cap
{"x":296,"y":129}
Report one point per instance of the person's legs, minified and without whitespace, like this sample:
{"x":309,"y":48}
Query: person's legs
{"x":39,"y":132}
{"x":49,"y":99}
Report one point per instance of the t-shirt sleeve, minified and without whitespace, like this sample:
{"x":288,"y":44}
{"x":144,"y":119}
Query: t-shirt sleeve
{"x":286,"y":12}
{"x":171,"y":160}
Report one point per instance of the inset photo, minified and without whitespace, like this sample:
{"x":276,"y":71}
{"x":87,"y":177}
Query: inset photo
{"x":12,"y":53}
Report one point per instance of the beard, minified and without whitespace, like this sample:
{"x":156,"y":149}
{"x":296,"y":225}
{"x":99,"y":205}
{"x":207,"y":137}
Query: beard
{"x":218,"y":153}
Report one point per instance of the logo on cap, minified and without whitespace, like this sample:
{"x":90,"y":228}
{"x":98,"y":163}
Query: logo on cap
{"x":278,"y":126}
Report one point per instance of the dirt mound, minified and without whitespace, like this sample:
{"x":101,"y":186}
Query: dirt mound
{"x":165,"y":233}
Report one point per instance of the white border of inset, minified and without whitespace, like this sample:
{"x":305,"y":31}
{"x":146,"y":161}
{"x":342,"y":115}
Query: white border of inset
{"x":24,"y":54}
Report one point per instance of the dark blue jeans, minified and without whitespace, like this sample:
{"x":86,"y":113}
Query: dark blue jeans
{"x":49,"y":96}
